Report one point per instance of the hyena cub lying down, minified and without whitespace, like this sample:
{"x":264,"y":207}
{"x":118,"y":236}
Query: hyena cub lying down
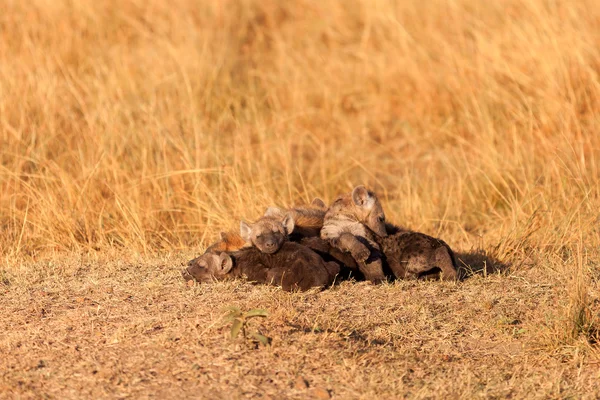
{"x":293,"y":267}
{"x":405,"y":255}
{"x":414,"y":255}
{"x":275,"y":227}
{"x":354,"y":223}
{"x":308,"y":219}
{"x":262,"y":254}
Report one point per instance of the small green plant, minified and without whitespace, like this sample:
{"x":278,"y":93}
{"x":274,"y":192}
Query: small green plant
{"x":239,"y":323}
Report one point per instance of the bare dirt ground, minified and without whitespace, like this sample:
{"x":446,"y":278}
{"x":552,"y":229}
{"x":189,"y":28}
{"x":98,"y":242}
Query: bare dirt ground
{"x":133,"y":328}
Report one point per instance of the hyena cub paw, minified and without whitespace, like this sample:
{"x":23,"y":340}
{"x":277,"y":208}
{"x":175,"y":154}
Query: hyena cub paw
{"x":348,"y":243}
{"x":361,"y":254}
{"x":336,"y":242}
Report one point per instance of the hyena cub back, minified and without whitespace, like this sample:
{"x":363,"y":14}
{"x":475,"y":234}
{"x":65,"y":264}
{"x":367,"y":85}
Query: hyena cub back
{"x":414,"y":255}
{"x":308,"y":219}
{"x":267,"y":234}
{"x":230,"y":241}
{"x":352,"y":224}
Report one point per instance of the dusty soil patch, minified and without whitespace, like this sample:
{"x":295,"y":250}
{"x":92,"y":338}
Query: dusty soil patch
{"x":133,"y":328}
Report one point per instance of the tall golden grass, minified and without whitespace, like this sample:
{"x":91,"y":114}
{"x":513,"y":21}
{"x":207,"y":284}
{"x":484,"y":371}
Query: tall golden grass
{"x":152,"y":125}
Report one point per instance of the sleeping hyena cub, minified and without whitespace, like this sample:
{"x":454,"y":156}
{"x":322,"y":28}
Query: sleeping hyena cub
{"x":415,"y":255}
{"x":352,"y":224}
{"x":293,"y":267}
{"x":307,"y":222}
{"x":308,"y":219}
{"x":267,"y":234}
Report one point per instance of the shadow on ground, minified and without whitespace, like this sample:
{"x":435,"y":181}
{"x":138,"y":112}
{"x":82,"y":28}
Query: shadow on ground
{"x":478,"y":263}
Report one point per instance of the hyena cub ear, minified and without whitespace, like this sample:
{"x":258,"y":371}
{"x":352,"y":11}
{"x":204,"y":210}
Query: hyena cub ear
{"x":288,"y":223}
{"x":225,"y":263}
{"x":246,"y":231}
{"x":362,"y":197}
{"x":317,"y":202}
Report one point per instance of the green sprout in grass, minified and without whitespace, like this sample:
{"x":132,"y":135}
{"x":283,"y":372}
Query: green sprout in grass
{"x":239,"y":322}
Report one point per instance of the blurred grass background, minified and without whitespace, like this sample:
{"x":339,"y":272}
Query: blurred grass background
{"x":152,"y":125}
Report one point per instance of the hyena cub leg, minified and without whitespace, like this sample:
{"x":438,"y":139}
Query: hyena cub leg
{"x":349,"y":243}
{"x":443,"y":259}
{"x":368,"y":260}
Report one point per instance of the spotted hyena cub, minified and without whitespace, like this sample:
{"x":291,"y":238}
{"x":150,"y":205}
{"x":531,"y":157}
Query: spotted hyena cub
{"x":353,"y":224}
{"x":308,"y":219}
{"x":415,"y":255}
{"x":293,"y":267}
{"x":267,"y":234}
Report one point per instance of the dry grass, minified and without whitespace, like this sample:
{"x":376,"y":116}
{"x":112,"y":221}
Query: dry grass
{"x":132,"y":132}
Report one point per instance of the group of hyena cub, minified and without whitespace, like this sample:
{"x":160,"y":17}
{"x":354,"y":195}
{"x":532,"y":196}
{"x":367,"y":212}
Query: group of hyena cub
{"x":313,"y":246}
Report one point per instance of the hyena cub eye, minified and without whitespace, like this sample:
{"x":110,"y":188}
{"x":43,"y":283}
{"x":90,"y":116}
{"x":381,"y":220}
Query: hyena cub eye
{"x":208,"y":267}
{"x":268,"y":233}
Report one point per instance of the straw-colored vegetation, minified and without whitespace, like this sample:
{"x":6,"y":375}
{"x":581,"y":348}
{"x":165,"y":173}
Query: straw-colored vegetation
{"x":132,"y":132}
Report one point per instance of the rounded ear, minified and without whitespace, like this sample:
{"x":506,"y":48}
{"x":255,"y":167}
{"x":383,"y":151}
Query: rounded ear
{"x":245,"y":231}
{"x":225,"y":263}
{"x":288,"y":223}
{"x":362,"y":198}
{"x":273,"y":212}
{"x":317,"y":202}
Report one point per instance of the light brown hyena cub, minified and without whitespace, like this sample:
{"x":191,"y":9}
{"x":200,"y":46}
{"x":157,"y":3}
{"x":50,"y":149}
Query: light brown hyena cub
{"x":308,"y":219}
{"x":352,"y":224}
{"x":267,"y":234}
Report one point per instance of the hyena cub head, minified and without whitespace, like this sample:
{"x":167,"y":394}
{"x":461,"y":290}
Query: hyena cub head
{"x":208,"y":267}
{"x":369,"y":210}
{"x":268,"y":233}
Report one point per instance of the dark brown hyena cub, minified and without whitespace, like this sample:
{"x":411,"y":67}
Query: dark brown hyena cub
{"x":414,"y":255}
{"x":293,"y":267}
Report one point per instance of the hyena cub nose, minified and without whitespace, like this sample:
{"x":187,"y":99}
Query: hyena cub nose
{"x":186,"y":275}
{"x":268,"y":233}
{"x":270,"y":245}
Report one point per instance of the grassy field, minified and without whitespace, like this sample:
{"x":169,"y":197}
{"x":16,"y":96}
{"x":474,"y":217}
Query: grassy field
{"x":132,"y":132}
